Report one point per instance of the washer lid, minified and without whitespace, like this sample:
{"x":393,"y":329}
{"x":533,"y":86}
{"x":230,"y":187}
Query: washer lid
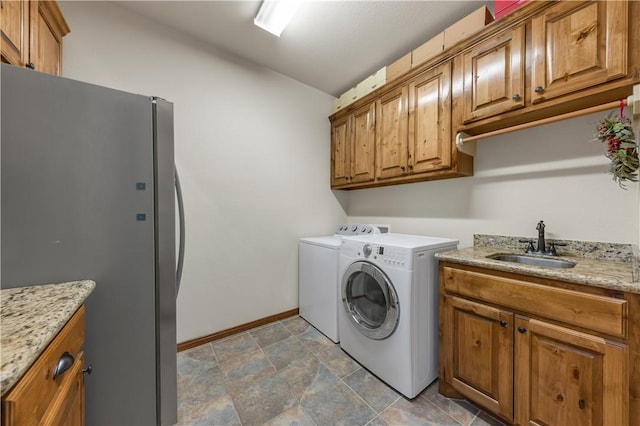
{"x":331,"y":241}
{"x":407,"y":241}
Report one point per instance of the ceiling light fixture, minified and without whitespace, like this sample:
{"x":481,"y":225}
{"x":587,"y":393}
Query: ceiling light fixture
{"x":274,"y":15}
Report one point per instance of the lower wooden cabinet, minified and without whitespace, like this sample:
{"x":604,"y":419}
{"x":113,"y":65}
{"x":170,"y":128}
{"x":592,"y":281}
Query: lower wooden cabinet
{"x":42,"y":398}
{"x":536,"y":354}
{"x":563,"y":376}
{"x":481,"y":353}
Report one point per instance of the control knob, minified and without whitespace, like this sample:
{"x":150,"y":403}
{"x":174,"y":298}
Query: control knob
{"x":366,"y":250}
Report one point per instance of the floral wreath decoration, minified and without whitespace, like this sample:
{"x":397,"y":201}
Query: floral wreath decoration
{"x":622,"y":149}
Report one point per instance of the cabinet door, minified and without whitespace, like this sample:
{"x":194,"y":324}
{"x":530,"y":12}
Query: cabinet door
{"x":391,"y":133}
{"x":47,"y":29}
{"x":430,"y":120}
{"x":494,"y":76}
{"x":14,"y":28}
{"x":577,"y":45}
{"x":363,"y":144}
{"x":565,"y":377}
{"x":340,"y":151}
{"x":480,"y":351}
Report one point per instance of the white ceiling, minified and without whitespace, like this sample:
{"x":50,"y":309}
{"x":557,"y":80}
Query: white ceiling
{"x":329,"y":45}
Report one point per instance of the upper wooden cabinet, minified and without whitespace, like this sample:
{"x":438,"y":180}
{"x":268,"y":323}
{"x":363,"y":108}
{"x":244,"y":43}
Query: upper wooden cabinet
{"x":493,"y":75}
{"x":576,"y":45}
{"x":340,"y":151}
{"x":392,"y":130}
{"x":556,"y":57}
{"x":414,"y":126}
{"x":32,"y":34}
{"x":404,"y":135}
{"x":47,"y":29}
{"x":363,"y":145}
{"x":544,"y":59}
{"x":14,"y":24}
{"x":429,"y":137}
{"x":353,"y":147}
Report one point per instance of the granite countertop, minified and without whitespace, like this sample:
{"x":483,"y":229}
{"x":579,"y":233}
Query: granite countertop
{"x":30,"y":317}
{"x":606,"y":265}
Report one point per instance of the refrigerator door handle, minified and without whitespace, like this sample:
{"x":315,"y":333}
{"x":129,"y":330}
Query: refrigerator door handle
{"x":181,"y":221}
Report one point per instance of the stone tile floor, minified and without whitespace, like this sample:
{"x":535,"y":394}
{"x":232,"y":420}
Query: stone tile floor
{"x":288,"y":373}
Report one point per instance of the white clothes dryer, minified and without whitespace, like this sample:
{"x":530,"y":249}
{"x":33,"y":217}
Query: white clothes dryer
{"x":318,"y":279}
{"x":389,"y":307}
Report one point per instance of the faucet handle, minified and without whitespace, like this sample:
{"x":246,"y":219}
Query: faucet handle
{"x":552,"y":248}
{"x":530,"y":248}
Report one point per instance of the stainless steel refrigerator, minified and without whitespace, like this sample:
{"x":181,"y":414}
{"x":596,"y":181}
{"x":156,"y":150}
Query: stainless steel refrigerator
{"x":87,"y":188}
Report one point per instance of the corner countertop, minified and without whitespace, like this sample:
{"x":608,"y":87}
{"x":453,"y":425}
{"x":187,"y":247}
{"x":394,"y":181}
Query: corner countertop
{"x":602,"y":265}
{"x":30,"y":317}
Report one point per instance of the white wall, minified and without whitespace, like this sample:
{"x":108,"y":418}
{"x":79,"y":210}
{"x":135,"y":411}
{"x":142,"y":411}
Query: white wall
{"x":549,"y":172}
{"x":252,"y":149}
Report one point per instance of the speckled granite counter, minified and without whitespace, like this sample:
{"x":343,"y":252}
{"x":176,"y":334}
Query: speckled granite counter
{"x":30,"y":317}
{"x":606,"y":265}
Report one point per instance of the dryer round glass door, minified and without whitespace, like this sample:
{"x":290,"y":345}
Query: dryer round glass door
{"x":370,"y":300}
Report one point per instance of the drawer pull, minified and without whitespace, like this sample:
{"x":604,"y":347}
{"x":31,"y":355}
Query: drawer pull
{"x":64,"y":363}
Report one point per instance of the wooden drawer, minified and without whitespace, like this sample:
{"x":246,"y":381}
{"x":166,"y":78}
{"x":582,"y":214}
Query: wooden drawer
{"x":598,"y":313}
{"x":67,"y":408}
{"x":30,"y":398}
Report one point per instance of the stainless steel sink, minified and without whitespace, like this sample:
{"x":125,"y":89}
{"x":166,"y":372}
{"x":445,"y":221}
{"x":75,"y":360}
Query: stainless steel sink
{"x":532,"y":260}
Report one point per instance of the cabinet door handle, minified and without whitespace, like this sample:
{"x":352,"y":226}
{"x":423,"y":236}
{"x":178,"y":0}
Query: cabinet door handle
{"x":64,"y":363}
{"x":538,"y":89}
{"x":503,"y":324}
{"x":516,"y":97}
{"x":88,"y":370}
{"x":522,"y":330}
{"x":581,"y":404}
{"x":410,"y":166}
{"x":31,"y":66}
{"x":402,"y":168}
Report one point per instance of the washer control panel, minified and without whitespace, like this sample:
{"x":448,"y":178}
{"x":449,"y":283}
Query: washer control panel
{"x":395,"y":256}
{"x":399,"y":257}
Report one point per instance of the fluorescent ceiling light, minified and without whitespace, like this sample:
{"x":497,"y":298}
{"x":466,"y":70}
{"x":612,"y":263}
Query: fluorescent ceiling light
{"x":274,"y":15}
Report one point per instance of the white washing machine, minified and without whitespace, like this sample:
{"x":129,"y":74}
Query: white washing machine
{"x":318,"y":280}
{"x":389,"y":307}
